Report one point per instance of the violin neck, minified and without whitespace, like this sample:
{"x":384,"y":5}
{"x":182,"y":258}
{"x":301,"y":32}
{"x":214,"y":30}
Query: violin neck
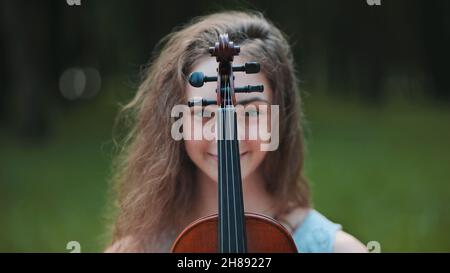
{"x":231,"y":230}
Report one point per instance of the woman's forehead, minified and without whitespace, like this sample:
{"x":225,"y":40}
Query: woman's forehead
{"x":208,"y":66}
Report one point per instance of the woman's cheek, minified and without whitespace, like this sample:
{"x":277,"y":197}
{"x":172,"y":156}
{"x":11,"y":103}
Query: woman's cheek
{"x":252,"y":130}
{"x":253,"y":158}
{"x":197,"y":151}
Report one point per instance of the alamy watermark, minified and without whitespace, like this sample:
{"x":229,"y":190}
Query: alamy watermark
{"x":373,"y":2}
{"x":200,"y":123}
{"x":74,"y":246}
{"x":73,"y":2}
{"x":374,"y":247}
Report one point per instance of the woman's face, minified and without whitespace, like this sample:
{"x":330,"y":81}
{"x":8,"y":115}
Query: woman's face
{"x":204,"y":152}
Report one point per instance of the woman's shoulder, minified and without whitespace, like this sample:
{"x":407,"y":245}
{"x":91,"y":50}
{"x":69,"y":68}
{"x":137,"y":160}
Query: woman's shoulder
{"x":345,"y":243}
{"x":313,"y":232}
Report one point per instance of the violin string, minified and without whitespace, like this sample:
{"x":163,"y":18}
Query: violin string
{"x":240,"y":234}
{"x":232,"y":134}
{"x":219,"y":142}
{"x":227,"y":173}
{"x":241,"y":223}
{"x":230,"y":150}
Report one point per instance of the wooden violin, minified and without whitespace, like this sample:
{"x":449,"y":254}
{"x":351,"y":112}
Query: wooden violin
{"x":231,"y":230}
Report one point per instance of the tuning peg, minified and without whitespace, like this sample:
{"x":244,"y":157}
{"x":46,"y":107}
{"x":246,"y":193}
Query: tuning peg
{"x":202,"y":102}
{"x":248,"y":68}
{"x":197,"y":79}
{"x":249,"y":89}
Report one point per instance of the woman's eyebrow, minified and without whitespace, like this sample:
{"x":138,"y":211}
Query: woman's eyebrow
{"x":247,"y":101}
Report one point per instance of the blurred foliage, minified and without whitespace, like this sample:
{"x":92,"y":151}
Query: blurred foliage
{"x":376,"y":98}
{"x":382,"y":173}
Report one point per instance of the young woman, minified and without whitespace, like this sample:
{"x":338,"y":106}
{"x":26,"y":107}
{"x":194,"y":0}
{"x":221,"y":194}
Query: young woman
{"x":165,"y":184}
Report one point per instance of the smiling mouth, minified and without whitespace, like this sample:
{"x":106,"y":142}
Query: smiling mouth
{"x":216,"y":157}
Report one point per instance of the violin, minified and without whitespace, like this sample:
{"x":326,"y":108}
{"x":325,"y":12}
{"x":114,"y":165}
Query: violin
{"x":231,"y":230}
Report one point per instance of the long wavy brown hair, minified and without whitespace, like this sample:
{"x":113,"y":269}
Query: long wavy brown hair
{"x":153,"y":175}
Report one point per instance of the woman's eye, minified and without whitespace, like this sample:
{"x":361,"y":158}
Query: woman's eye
{"x":203,"y":113}
{"x":252,"y":113}
{"x":207,"y":113}
{"x":198,"y":113}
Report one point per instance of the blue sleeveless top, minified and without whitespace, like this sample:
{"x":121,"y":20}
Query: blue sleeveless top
{"x":316,"y":234}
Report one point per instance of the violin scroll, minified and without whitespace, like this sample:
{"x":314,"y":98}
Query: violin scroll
{"x":224,"y":50}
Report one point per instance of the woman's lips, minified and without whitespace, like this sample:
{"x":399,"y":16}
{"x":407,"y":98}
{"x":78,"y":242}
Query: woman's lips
{"x":216,"y":157}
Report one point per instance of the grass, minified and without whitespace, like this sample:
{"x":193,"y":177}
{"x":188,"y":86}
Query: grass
{"x":56,"y":192}
{"x":383,"y":173}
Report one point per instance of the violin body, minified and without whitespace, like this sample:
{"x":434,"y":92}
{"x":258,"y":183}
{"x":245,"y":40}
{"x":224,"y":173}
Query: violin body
{"x":264,"y":235}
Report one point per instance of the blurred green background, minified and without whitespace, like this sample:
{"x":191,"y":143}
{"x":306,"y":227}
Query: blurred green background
{"x":375,"y":93}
